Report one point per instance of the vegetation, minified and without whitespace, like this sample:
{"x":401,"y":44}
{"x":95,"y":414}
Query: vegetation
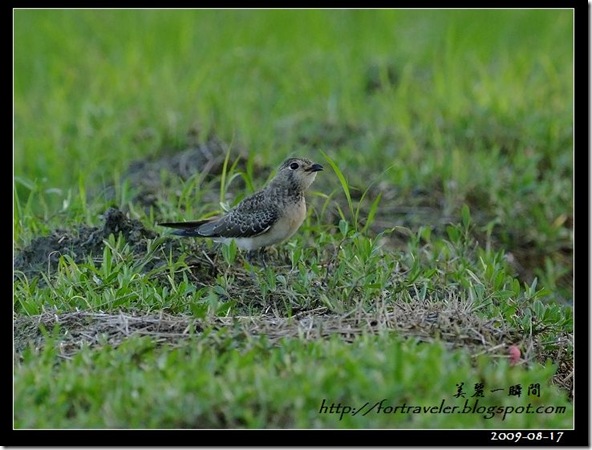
{"x":439,"y":234}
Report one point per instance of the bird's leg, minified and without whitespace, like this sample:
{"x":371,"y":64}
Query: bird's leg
{"x":250,"y":255}
{"x":262,"y":254}
{"x":257,"y":256}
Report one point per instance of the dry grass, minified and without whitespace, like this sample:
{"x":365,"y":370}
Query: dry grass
{"x":426,"y":323}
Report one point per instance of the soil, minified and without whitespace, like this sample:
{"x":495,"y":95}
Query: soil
{"x":43,"y":253}
{"x":145,"y":178}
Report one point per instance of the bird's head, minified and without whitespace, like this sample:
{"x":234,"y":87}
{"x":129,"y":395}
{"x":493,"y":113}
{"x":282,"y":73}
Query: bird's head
{"x":297,"y":172}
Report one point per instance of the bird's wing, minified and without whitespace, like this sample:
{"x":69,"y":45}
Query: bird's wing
{"x":240,"y":223}
{"x":251,"y":217}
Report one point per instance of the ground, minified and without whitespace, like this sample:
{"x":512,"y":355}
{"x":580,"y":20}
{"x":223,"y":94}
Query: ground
{"x":451,"y":323}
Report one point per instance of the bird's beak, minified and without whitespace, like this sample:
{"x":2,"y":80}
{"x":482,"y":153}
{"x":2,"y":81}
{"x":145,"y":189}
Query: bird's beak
{"x":315,"y":168}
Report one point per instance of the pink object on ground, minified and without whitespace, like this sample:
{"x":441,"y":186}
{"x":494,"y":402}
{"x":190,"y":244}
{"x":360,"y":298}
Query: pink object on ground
{"x":514,"y":352}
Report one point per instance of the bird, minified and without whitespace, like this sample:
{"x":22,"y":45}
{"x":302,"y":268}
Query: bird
{"x":267,"y":217}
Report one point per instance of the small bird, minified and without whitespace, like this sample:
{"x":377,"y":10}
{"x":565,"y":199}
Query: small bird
{"x":265,"y":218}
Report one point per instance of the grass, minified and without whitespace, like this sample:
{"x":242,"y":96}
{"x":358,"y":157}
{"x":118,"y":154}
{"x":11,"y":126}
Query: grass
{"x":260,"y":385}
{"x":439,"y":234}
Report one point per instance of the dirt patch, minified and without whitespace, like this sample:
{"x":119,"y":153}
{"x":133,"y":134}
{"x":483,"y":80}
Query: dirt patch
{"x":41,"y":257}
{"x":148,"y":178}
{"x":43,"y":253}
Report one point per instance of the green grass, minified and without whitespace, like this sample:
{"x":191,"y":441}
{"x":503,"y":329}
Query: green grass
{"x":447,"y":142}
{"x":252,"y":384}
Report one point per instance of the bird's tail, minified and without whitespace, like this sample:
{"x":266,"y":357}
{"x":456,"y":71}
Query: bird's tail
{"x":186,"y":229}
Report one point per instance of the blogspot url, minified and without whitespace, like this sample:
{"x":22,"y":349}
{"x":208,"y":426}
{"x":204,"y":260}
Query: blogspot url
{"x":469,"y":407}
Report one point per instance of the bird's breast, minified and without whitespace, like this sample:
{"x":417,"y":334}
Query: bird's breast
{"x":294,"y":216}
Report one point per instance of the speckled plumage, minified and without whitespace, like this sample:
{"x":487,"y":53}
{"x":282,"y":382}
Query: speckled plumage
{"x":265,"y":218}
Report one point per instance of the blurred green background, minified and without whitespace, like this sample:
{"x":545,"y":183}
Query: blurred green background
{"x":95,"y":88}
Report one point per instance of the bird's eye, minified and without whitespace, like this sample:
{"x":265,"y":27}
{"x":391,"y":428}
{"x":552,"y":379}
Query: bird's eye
{"x":294,"y":166}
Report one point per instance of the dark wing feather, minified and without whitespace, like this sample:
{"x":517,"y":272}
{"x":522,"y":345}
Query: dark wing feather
{"x":187,"y":229}
{"x":240,"y":225}
{"x":251,"y":217}
{"x":192,"y":224}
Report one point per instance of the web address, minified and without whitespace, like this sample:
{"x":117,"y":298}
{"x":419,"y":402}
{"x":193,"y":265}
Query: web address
{"x":488,"y":412}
